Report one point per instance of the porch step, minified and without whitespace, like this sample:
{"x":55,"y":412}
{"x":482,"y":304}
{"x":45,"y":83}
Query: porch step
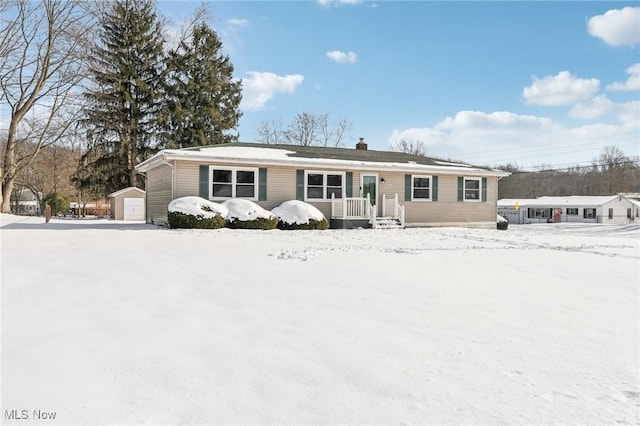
{"x":387,"y":223}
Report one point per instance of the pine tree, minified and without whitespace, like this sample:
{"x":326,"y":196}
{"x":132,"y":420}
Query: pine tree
{"x":203,"y":97}
{"x":123,"y":117}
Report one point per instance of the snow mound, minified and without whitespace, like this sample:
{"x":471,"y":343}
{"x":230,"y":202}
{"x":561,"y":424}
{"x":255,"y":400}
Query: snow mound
{"x":246,"y":210}
{"x":501,"y":219}
{"x":197,"y":206}
{"x":297,"y":212}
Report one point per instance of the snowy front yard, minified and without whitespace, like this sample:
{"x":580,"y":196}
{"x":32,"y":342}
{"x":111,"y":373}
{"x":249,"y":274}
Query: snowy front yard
{"x":119,"y":323}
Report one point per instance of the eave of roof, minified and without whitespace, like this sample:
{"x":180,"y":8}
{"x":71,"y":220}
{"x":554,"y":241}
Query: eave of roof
{"x":315,"y":156}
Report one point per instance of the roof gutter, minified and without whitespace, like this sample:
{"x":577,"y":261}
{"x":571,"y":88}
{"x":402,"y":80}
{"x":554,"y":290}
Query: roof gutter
{"x":163,"y":157}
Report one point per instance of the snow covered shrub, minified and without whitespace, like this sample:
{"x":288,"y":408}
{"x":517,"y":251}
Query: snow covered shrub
{"x":502,"y":223}
{"x":296,"y":214}
{"x":245,"y":214}
{"x":196,"y":212}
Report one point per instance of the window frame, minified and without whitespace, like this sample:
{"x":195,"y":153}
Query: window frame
{"x":325,"y":173}
{"x":570,"y":211}
{"x":430,"y":177}
{"x":591,"y":210}
{"x":539,"y":213}
{"x":464,"y":189}
{"x":610,"y":213}
{"x":234,"y":182}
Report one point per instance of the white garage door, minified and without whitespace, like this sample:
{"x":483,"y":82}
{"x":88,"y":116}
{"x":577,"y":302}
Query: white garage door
{"x":134,"y":209}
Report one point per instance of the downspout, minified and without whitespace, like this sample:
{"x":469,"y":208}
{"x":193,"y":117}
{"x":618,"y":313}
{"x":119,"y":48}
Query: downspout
{"x":173,"y":177}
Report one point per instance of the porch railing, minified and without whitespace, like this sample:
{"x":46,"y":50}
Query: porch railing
{"x":392,"y":208}
{"x":351,"y":208}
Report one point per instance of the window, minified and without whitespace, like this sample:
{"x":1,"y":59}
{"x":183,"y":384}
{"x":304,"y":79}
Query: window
{"x":628,"y":213}
{"x":323,"y":185}
{"x":610,"y":213}
{"x":539,"y":213}
{"x":421,"y":188}
{"x":472,"y":188}
{"x":233,"y":183}
{"x":589,"y":213}
{"x":572,"y":212}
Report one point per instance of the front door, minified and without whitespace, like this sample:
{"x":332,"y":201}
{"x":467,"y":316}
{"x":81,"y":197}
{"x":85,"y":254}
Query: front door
{"x":369,"y":185}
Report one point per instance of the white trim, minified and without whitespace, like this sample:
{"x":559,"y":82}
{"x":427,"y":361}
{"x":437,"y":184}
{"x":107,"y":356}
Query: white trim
{"x":324,"y":184}
{"x":122,"y":191}
{"x":464,"y":189}
{"x":430,"y":177}
{"x":234,"y":171}
{"x":303,"y":162}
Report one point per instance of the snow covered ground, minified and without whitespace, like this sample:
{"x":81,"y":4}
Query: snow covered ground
{"x":121,"y":323}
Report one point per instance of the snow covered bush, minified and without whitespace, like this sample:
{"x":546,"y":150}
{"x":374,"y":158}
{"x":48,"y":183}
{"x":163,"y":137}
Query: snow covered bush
{"x":196,"y":212}
{"x":296,"y":214}
{"x":245,"y":214}
{"x":502,"y":223}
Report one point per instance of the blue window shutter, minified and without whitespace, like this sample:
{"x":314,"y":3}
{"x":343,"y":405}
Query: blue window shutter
{"x":460,"y":188}
{"x":434,"y":191}
{"x":484,"y":190}
{"x":300,"y":185}
{"x":349,"y":184}
{"x":204,"y":182}
{"x":262,"y":184}
{"x":407,"y":187}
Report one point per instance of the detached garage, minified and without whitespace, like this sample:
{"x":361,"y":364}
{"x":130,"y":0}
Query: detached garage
{"x":127,"y":204}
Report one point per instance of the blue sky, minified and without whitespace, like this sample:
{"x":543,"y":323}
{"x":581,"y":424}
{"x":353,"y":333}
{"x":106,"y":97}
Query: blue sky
{"x":482,"y":82}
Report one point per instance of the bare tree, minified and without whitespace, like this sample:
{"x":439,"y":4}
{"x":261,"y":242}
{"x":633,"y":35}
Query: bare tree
{"x":41,"y":66}
{"x":303,"y":130}
{"x":409,"y":146}
{"x":306,"y":129}
{"x":271,"y":132}
{"x":332,"y":133}
{"x":617,"y":170}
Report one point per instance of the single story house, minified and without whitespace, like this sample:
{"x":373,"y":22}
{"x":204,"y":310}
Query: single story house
{"x":612,"y":209}
{"x":351,"y":187}
{"x":127,"y":204}
{"x":25,"y":202}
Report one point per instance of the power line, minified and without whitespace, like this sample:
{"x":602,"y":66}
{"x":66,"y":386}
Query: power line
{"x":571,"y":166}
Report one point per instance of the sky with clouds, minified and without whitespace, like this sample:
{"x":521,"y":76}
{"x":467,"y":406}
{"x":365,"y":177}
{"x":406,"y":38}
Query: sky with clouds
{"x":482,"y":82}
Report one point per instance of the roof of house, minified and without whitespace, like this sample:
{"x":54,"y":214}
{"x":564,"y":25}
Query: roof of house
{"x":574,"y":200}
{"x":124,"y":190}
{"x":314,"y":156}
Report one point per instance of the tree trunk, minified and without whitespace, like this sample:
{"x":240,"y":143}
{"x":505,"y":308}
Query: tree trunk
{"x":7,"y":189}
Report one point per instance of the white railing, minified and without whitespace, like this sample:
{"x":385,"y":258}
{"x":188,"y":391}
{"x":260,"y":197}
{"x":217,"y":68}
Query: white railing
{"x":392,"y":208}
{"x":351,"y":208}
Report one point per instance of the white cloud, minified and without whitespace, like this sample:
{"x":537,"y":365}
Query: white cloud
{"x":562,"y":89}
{"x":260,"y":87}
{"x":628,"y":114}
{"x":632,"y":83}
{"x":502,"y":137}
{"x":235,"y":22}
{"x":342,"y":57}
{"x":617,"y":27}
{"x":329,"y":3}
{"x":596,"y":107}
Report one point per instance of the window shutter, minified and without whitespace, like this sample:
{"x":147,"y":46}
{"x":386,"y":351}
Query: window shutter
{"x":204,"y":182}
{"x":460,"y":188}
{"x":262,"y":184}
{"x":434,"y":191}
{"x":484,"y":190}
{"x":300,"y":185}
{"x":407,"y":187}
{"x":349,"y":184}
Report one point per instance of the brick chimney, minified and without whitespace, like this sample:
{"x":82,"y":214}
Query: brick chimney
{"x":361,"y":145}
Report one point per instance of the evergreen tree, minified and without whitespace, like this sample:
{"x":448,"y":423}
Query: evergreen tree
{"x":203,"y":97}
{"x":123,"y":115}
